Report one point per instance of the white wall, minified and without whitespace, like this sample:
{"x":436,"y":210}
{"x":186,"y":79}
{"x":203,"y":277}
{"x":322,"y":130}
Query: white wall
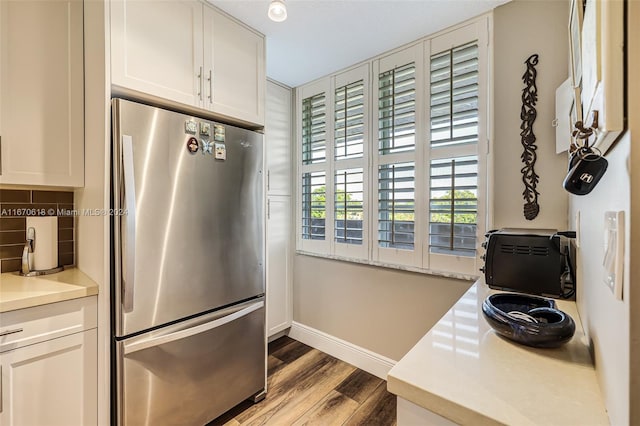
{"x":605,"y":319}
{"x":383,"y":310}
{"x":613,"y":326}
{"x":522,"y":28}
{"x":92,"y":232}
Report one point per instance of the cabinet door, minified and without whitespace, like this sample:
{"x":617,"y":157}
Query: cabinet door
{"x":234,"y":68}
{"x":51,"y":383}
{"x":279,"y":301}
{"x":156,"y":49}
{"x":278,"y":139}
{"x":41,"y":93}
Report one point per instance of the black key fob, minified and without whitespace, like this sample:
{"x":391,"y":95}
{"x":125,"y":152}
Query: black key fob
{"x":585,"y":173}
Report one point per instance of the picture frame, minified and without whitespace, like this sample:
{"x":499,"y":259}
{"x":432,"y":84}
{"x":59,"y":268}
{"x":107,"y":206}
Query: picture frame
{"x":575,"y":41}
{"x":603,"y":86}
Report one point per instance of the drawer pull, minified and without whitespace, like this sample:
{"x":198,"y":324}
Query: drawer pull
{"x":6,"y":333}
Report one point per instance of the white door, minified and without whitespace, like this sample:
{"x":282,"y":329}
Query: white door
{"x":279,"y":297}
{"x":51,"y":383}
{"x":41,"y":93}
{"x":277,"y":135}
{"x":234,"y":58}
{"x":156,"y":48}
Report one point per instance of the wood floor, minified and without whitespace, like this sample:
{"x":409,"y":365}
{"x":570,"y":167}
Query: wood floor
{"x":309,"y":387}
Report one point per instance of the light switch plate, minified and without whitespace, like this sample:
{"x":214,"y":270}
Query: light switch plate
{"x":613,"y":261}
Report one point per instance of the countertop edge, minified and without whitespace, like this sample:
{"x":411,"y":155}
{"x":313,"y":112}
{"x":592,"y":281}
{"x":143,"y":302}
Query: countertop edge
{"x":437,"y":404}
{"x":407,"y":381}
{"x":18,"y":292}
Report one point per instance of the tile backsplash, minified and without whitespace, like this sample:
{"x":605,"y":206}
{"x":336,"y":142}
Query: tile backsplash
{"x":15,"y":206}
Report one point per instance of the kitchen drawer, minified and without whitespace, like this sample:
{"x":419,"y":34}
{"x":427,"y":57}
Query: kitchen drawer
{"x":45,"y":322}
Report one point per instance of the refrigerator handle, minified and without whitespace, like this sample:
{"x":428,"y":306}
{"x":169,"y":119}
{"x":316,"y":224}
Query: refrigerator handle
{"x":183,"y":334}
{"x":129,"y":187}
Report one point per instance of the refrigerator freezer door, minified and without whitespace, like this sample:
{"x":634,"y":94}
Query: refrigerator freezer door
{"x":207,"y":364}
{"x":191,"y":235}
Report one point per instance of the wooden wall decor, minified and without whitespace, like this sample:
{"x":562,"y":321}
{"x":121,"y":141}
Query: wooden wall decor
{"x":528,"y":138}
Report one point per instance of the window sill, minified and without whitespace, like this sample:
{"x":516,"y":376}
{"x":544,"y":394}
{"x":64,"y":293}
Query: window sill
{"x":446,"y":274}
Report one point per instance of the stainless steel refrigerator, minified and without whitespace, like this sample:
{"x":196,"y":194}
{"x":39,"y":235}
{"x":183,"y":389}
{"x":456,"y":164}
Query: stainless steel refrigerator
{"x":188,"y":266}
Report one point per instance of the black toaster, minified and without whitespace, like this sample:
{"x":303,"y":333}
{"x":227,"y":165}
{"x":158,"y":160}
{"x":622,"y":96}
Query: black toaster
{"x":526,"y":261}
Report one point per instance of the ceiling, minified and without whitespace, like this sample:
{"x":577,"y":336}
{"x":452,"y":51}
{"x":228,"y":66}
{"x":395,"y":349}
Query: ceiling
{"x":323,"y":36}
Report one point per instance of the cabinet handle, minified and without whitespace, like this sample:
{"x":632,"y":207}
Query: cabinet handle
{"x":268,"y":209}
{"x":210,"y":86}
{"x":200,"y":84}
{"x":268,"y":180}
{"x":8,"y":332}
{"x":130,"y":236}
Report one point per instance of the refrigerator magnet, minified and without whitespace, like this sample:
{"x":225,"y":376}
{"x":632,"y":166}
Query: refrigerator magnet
{"x":205,"y":129}
{"x":192,"y":145}
{"x":207,"y":147}
{"x":220,"y":151}
{"x":218,"y":132}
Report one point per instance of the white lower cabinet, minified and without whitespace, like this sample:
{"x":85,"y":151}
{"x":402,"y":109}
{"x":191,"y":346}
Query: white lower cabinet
{"x":51,"y":383}
{"x":409,"y":414}
{"x":54,"y":381}
{"x":279,"y":268}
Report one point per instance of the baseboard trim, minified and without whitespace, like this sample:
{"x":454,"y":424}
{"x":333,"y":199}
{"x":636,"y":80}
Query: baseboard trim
{"x":364,"y":359}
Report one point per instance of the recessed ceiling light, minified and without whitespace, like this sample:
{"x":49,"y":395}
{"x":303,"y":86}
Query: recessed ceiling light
{"x":277,"y":11}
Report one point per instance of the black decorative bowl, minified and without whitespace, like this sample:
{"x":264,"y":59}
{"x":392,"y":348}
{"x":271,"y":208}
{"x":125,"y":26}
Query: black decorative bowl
{"x":529,"y":320}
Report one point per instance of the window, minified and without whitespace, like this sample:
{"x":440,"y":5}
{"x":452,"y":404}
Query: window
{"x":396,"y":205}
{"x":350,"y":149}
{"x":314,"y":202}
{"x":313,"y":129}
{"x":349,"y":206}
{"x":397,"y":109}
{"x":453,"y":197}
{"x":413,"y":149}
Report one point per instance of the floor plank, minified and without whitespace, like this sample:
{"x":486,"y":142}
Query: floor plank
{"x":359,"y":385}
{"x":378,"y":409}
{"x":334,"y":409}
{"x":295,"y":403}
{"x":274,"y":365}
{"x":291,"y":352}
{"x":279,"y":343}
{"x":308,"y":387}
{"x":289,"y":381}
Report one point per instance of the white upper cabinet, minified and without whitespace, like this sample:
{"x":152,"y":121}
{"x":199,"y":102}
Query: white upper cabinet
{"x":188,"y":52}
{"x":235,"y":62}
{"x":41,"y":93}
{"x":157,"y":48}
{"x":278,"y":139}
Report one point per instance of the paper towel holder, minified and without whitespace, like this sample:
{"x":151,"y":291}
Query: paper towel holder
{"x":27,"y":258}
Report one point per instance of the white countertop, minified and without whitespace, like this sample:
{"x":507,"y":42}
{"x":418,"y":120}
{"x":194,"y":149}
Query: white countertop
{"x":18,"y":292}
{"x":463,"y":371}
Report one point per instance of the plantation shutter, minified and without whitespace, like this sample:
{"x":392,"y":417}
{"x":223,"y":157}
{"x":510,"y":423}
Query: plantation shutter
{"x":454,"y":96}
{"x":349,"y":145}
{"x":314,"y":129}
{"x":396,"y":157}
{"x":397,"y":110}
{"x":348,"y":205}
{"x":453,"y":180}
{"x":314,"y":165}
{"x":349,"y":121}
{"x":314,"y":199}
{"x":396,"y":205}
